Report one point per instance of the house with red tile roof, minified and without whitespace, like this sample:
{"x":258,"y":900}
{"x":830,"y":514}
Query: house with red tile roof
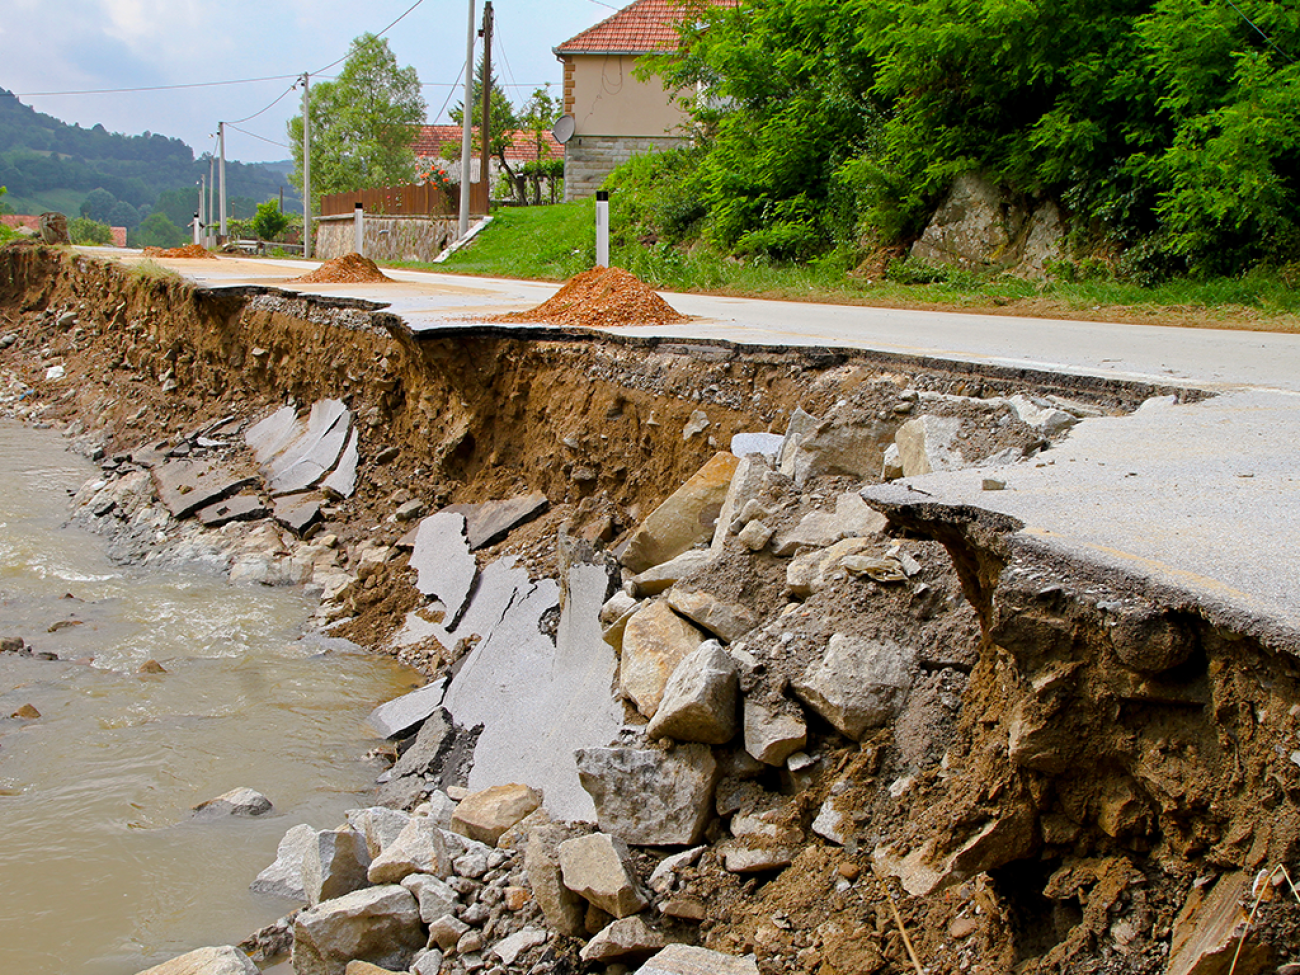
{"x":615,"y":115}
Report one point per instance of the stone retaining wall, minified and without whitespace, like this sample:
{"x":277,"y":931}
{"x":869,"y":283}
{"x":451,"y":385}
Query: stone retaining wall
{"x":387,"y":238}
{"x":588,"y":159}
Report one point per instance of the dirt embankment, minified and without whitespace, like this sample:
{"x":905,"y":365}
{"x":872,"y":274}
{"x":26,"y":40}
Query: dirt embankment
{"x":1102,"y":763}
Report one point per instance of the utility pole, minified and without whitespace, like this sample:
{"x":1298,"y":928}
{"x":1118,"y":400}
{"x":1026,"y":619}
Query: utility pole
{"x":466,"y":143}
{"x":485,"y":127}
{"x":203,"y":192}
{"x":221,"y":141}
{"x":212,"y":188}
{"x":306,"y":165}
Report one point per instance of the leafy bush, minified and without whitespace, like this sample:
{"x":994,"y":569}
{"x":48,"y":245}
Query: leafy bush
{"x":83,"y":230}
{"x":269,"y":222}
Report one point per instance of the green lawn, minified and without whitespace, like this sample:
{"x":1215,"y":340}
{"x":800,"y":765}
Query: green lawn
{"x":67,"y":202}
{"x":554,"y":243}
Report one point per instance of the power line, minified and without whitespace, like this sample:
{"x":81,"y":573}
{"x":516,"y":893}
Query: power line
{"x":118,"y":91}
{"x":1267,"y":39}
{"x":247,"y":118}
{"x":232,"y":125}
{"x":378,"y":33}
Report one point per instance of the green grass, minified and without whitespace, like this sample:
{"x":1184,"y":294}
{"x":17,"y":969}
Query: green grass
{"x":556,"y":242}
{"x":67,"y":202}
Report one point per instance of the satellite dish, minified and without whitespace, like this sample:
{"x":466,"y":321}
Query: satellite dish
{"x":564,"y":129}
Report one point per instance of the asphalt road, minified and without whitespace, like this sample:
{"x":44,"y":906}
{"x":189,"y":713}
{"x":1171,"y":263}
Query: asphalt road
{"x":1204,"y":498}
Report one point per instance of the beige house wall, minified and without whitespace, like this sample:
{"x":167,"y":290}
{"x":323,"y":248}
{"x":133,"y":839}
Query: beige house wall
{"x":605,"y":98}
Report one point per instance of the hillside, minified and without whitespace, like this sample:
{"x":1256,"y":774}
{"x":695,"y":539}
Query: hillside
{"x":48,"y":164}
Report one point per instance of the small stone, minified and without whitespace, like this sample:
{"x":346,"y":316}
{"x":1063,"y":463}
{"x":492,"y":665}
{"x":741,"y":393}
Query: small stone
{"x":992,"y":484}
{"x":446,"y":931}
{"x":755,"y":535}
{"x":27,"y":712}
{"x":517,"y":898}
{"x":151,"y":667}
{"x":236,"y":802}
{"x":409,"y":511}
{"x":849,"y":871}
{"x":962,"y":927}
{"x":596,"y":867}
{"x":469,"y":943}
{"x":387,"y":455}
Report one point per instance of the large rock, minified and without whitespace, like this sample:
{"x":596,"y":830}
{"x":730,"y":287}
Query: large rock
{"x":334,"y":864}
{"x":728,"y":621}
{"x":54,"y":228}
{"x":564,"y":910}
{"x":511,"y":947}
{"x":689,"y":960}
{"x":799,"y":427}
{"x":846,"y":441}
{"x":773,"y":732}
{"x":379,"y":825}
{"x":852,"y":517}
{"x":814,"y":571}
{"x":651,"y":798}
{"x":929,"y":443}
{"x":435,"y":896}
{"x":655,"y":641}
{"x":596,"y":867}
{"x":421,"y":847}
{"x":745,"y":487}
{"x":380,"y":925}
{"x":207,"y":961}
{"x":699,"y":702}
{"x":283,"y":878}
{"x":858,"y":684}
{"x":627,"y":938}
{"x":237,"y":803}
{"x":687,"y":517}
{"x":442,"y":561}
{"x":486,"y":814}
{"x":396,"y":718}
{"x":657,"y":578}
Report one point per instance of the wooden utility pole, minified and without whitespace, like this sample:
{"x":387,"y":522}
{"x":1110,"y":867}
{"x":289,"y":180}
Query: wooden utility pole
{"x":485,"y":129}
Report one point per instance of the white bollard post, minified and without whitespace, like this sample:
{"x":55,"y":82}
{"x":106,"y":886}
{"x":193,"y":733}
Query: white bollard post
{"x":602,"y":228}
{"x":197,"y":223}
{"x":359,"y":229}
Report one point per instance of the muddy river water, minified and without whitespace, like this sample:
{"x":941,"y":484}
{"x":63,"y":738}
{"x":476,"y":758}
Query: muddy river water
{"x":101,"y":870}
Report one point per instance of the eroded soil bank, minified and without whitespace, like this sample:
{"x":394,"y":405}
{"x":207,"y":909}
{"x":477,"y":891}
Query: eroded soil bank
{"x":1080,"y":774}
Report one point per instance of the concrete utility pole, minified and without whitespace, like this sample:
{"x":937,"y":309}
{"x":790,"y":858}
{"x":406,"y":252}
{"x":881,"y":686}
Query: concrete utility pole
{"x":212,"y":188}
{"x":466,"y":143}
{"x":203,"y":192}
{"x":221,"y":142}
{"x":306,"y":165}
{"x":485,"y":126}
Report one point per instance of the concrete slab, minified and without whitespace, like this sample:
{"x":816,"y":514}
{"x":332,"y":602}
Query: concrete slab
{"x":297,"y":513}
{"x":185,"y":486}
{"x":397,"y":717}
{"x":243,"y":507}
{"x":305,"y":461}
{"x":491,"y":521}
{"x":343,"y":481}
{"x":270,"y":435}
{"x":443,"y":563}
{"x":766,"y":444}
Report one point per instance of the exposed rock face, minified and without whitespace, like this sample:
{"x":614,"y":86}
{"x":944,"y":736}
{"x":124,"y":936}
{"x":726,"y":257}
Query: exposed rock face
{"x":649,"y":798}
{"x":380,"y":925}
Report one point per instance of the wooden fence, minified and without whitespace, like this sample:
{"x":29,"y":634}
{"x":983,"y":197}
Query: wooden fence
{"x":426,"y":200}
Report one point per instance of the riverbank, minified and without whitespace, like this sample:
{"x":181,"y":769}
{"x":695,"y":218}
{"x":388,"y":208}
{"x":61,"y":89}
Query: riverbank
{"x":850,"y":708}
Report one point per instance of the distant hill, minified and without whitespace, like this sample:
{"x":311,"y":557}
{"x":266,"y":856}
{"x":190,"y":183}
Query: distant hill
{"x":48,"y":164}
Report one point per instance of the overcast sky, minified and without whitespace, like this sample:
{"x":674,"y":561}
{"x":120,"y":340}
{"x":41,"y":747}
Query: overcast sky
{"x":77,"y":45}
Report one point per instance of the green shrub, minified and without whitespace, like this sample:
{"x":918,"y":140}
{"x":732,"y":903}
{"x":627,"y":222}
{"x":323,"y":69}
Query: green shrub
{"x":83,"y":230}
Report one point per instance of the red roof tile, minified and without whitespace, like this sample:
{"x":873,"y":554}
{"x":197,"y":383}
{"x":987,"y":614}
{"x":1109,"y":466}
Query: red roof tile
{"x":429,"y":140}
{"x":639,"y":28}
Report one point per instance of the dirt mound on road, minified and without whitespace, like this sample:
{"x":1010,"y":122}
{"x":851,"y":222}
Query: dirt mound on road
{"x":348,"y":269}
{"x":601,"y":297}
{"x":189,"y":251}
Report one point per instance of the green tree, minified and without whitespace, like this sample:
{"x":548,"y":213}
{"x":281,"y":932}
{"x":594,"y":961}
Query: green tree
{"x":83,"y":230}
{"x":361,"y":124}
{"x":156,"y":231}
{"x":5,"y":207}
{"x":504,"y":124}
{"x":98,"y":204}
{"x":269,"y":222}
{"x":123,"y":215}
{"x":179,"y":205}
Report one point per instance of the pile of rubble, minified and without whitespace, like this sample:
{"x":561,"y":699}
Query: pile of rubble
{"x":348,"y":269}
{"x":188,"y":252}
{"x":600,"y":298}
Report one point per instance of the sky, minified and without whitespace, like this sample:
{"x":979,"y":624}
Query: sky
{"x":61,"y":46}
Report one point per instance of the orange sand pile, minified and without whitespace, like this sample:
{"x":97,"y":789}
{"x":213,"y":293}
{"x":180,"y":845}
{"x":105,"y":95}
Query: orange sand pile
{"x":348,"y":269}
{"x":189,"y":251}
{"x":601,"y":297}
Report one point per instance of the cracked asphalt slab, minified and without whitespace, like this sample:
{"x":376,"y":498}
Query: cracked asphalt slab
{"x":1203,"y":498}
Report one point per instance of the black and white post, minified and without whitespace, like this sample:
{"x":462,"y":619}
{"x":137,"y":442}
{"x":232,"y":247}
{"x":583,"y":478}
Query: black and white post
{"x":359,"y":229}
{"x":602,"y":228}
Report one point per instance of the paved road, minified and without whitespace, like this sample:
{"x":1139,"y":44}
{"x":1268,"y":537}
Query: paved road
{"x":1203,"y":497}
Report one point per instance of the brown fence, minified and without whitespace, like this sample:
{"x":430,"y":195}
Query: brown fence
{"x":426,"y":200}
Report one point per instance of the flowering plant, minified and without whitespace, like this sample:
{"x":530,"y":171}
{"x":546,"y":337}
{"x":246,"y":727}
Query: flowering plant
{"x":430,"y":171}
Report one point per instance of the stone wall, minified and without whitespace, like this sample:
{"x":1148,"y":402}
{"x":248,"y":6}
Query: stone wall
{"x":588,"y":159}
{"x":387,"y":238}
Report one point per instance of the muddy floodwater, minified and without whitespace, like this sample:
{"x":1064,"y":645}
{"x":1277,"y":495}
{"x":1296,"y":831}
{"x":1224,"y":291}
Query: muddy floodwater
{"x":101,"y":871}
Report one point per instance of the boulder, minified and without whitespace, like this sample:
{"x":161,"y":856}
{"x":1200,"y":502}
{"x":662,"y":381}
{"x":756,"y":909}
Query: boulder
{"x":851,"y":518}
{"x":235,"y":803}
{"x":446,"y":931}
{"x":728,"y":621}
{"x":800,"y":426}
{"x":699,"y":701}
{"x":226,"y":960}
{"x":773,"y":732}
{"x":858,"y":684}
{"x":655,"y":641}
{"x":1041,"y":415}
{"x":379,"y":825}
{"x":398,"y":717}
{"x":54,"y":228}
{"x":628,"y":938}
{"x":690,"y":960}
{"x":687,"y":517}
{"x":443,"y":563}
{"x":596,"y":868}
{"x":435,"y":896}
{"x":651,"y":798}
{"x":929,"y":443}
{"x":334,"y":864}
{"x":283,"y":878}
{"x":486,"y":814}
{"x":421,"y":847}
{"x":564,"y":910}
{"x":508,"y":949}
{"x":742,"y":495}
{"x":380,"y":925}
{"x":846,"y":441}
{"x":656,"y":579}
